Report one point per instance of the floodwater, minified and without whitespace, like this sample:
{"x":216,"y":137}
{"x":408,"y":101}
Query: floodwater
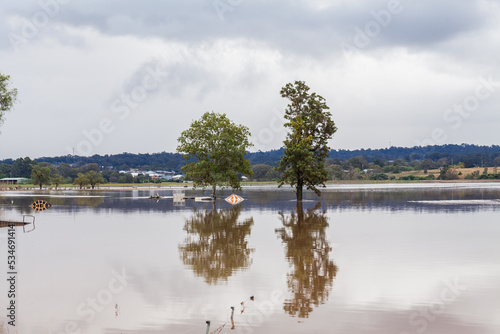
{"x":360,"y":259}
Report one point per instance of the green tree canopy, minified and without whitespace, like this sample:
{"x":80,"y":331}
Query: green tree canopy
{"x":56,"y":180}
{"x":94,"y":178}
{"x":89,"y":167}
{"x":263,"y":172}
{"x":358,"y":162}
{"x":8,"y":96}
{"x":306,"y":144}
{"x":81,"y":180}
{"x":5,"y":170}
{"x":22,"y":167}
{"x":447,"y":173}
{"x":53,"y":169}
{"x":125,"y":178}
{"x":40,"y":175}
{"x":215,"y":148}
{"x":335,"y":172}
{"x":67,"y":171}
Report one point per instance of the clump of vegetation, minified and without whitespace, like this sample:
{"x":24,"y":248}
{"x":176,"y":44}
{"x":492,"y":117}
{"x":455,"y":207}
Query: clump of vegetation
{"x":417,"y":178}
{"x":379,"y":176}
{"x":263,"y":172}
{"x":448,"y":173}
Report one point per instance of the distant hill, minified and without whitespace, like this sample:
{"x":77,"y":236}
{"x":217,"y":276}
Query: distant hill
{"x":465,"y":153}
{"x":470,"y":155}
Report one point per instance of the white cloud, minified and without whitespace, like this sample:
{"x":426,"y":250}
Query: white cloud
{"x":395,"y":89}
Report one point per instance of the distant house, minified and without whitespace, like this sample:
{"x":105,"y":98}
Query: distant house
{"x":159,"y":174}
{"x":14,"y":180}
{"x":172,"y":177}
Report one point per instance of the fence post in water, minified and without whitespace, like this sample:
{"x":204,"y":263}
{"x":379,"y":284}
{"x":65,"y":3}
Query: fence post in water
{"x":208,"y":326}
{"x":232,"y":314}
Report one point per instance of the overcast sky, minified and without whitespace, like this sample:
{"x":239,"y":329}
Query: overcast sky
{"x":105,"y":77}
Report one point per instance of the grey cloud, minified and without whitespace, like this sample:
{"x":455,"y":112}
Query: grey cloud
{"x":265,"y":45}
{"x":192,"y":75}
{"x":295,"y":27}
{"x":436,"y":21}
{"x":186,"y":76}
{"x":176,"y":78}
{"x":137,"y":77}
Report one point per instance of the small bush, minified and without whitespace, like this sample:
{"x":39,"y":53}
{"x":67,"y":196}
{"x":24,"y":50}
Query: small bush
{"x":379,"y":176}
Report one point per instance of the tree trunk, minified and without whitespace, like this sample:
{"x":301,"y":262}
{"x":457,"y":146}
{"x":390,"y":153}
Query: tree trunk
{"x":299,"y":190}
{"x":300,"y":213}
{"x":214,"y":186}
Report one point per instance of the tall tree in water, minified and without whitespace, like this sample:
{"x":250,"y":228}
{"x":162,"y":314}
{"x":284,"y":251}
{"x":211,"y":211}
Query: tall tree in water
{"x":215,"y":148}
{"x":306,"y":145}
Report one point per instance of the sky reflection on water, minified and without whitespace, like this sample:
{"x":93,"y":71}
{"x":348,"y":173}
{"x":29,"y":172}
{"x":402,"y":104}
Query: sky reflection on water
{"x":358,"y":261}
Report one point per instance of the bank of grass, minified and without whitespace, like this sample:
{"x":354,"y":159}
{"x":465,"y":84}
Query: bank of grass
{"x":462,"y":173}
{"x":119,"y":186}
{"x":98,"y":187}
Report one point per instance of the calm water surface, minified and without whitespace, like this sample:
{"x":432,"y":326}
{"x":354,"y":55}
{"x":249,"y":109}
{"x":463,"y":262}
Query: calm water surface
{"x":360,"y":259}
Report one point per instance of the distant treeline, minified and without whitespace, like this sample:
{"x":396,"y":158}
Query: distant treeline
{"x":469,"y":155}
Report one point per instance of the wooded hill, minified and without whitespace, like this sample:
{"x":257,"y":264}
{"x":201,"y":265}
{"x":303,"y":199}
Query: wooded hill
{"x":469,"y":155}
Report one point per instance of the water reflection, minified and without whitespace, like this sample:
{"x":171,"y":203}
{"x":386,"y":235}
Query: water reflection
{"x":92,"y":201}
{"x":397,"y":250}
{"x":216,"y":244}
{"x":421,"y":200}
{"x":308,"y":251}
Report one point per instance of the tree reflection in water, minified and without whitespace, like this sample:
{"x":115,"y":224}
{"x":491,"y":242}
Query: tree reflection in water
{"x":92,"y":201}
{"x":308,"y":250}
{"x":216,"y":244}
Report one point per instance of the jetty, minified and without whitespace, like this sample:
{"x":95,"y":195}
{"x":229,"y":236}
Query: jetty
{"x":26,"y":221}
{"x":7,"y":223}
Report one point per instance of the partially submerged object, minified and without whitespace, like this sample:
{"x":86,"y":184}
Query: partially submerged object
{"x":203,"y":198}
{"x":10,"y":223}
{"x":40,"y":205}
{"x":157,"y":196}
{"x":234,"y":199}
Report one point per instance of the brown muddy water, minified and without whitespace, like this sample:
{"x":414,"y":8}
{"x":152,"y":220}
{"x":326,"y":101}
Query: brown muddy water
{"x":360,"y":259}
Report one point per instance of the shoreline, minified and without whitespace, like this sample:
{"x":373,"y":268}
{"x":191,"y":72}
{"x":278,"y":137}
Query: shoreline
{"x":249,"y":185}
